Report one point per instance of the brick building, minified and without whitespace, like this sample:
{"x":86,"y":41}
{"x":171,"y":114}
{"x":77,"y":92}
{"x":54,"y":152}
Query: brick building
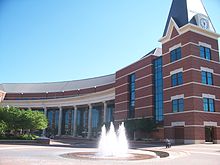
{"x":178,"y":86}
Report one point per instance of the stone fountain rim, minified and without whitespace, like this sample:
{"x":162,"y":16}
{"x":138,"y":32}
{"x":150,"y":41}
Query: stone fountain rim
{"x":91,"y":155}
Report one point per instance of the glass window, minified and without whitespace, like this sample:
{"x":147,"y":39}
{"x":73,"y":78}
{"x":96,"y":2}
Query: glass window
{"x":205,"y":105}
{"x":175,"y":105}
{"x":180,"y":78}
{"x":177,"y":79}
{"x":158,"y":89}
{"x":203,"y":77}
{"x":211,"y":105}
{"x":174,"y":80}
{"x":208,"y":105}
{"x":207,"y":78}
{"x":181,"y":105}
{"x":178,"y":105}
{"x":205,"y":53}
{"x":175,"y":54}
{"x":132,"y":95}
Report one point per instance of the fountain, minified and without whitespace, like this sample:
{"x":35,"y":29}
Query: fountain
{"x":112,"y":145}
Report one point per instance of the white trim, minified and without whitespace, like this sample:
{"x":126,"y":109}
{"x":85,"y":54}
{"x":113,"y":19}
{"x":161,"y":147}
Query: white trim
{"x":167,"y":37}
{"x":143,"y":87}
{"x":138,"y":98}
{"x":191,"y":111}
{"x":191,"y":69}
{"x":201,"y":126}
{"x":170,"y":126}
{"x":189,"y":97}
{"x":121,"y":102}
{"x":188,"y":43}
{"x":208,"y":96}
{"x":120,"y":111}
{"x":177,"y":97}
{"x":121,"y":85}
{"x":176,"y":71}
{"x":135,"y":118}
{"x":194,"y":126}
{"x":187,"y":28}
{"x":150,"y":106}
{"x":206,"y":69}
{"x":192,"y":82}
{"x":205,"y":45}
{"x":179,"y":123}
{"x":210,"y":123}
{"x":69,"y":101}
{"x":181,"y":59}
{"x":121,"y":93}
{"x":175,"y":47}
{"x":140,"y":78}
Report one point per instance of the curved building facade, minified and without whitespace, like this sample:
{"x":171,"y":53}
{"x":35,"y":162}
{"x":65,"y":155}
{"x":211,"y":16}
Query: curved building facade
{"x":177,"y":85}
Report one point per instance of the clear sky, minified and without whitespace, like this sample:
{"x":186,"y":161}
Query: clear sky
{"x":61,"y":40}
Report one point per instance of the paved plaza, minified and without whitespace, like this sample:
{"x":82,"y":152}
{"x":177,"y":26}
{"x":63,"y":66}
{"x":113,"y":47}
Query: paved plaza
{"x":202,"y":154}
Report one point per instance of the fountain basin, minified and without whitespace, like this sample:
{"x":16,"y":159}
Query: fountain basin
{"x":131,"y":156}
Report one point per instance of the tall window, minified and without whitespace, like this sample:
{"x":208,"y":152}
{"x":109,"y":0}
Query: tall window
{"x":158,"y":89}
{"x":205,"y":52}
{"x":175,"y":54}
{"x":177,"y":79}
{"x":207,"y":78}
{"x":178,"y":105}
{"x":208,"y":105}
{"x":109,"y":113}
{"x":131,"y":113}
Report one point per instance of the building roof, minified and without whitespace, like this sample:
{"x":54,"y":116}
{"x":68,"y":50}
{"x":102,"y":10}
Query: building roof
{"x":155,"y":52}
{"x":184,"y":12}
{"x":57,"y":86}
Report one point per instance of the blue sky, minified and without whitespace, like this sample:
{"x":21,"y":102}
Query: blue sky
{"x":61,"y":40}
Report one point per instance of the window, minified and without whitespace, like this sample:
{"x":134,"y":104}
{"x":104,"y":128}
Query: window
{"x":178,"y":105}
{"x":205,"y":53}
{"x":131,"y":113}
{"x":158,"y":90}
{"x":175,"y":54}
{"x":207,"y":78}
{"x":177,"y":79}
{"x":208,"y":105}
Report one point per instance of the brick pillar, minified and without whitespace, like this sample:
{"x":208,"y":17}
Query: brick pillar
{"x":216,"y":135}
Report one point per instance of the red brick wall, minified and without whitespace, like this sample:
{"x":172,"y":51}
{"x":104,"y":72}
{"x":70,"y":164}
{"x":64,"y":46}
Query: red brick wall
{"x":143,"y":70}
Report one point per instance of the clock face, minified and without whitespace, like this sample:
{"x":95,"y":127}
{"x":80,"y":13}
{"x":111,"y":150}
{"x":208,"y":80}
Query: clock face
{"x":204,"y":23}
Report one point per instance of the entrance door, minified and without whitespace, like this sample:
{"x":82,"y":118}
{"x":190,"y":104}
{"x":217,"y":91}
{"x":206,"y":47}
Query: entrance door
{"x":209,"y":134}
{"x":179,"y":135}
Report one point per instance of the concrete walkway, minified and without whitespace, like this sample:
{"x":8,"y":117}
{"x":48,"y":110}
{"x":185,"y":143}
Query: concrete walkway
{"x":202,"y":154}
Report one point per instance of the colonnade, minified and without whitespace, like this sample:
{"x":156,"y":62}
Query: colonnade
{"x":74,"y":124}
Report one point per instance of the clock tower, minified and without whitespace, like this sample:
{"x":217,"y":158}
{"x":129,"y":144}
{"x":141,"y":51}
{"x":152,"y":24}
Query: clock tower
{"x":191,"y":75}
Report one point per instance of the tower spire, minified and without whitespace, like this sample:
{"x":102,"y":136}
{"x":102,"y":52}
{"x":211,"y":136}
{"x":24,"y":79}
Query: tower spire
{"x":189,"y":11}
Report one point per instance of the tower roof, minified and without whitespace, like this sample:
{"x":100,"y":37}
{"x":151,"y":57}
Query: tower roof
{"x":185,"y":11}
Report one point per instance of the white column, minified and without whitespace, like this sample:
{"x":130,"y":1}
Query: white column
{"x":60,"y":121}
{"x":75,"y":121}
{"x":90,"y":122}
{"x":45,"y":113}
{"x":105,"y":112}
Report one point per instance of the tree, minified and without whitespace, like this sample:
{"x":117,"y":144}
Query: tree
{"x":144,"y":125}
{"x":3,"y":127}
{"x":14,"y":119}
